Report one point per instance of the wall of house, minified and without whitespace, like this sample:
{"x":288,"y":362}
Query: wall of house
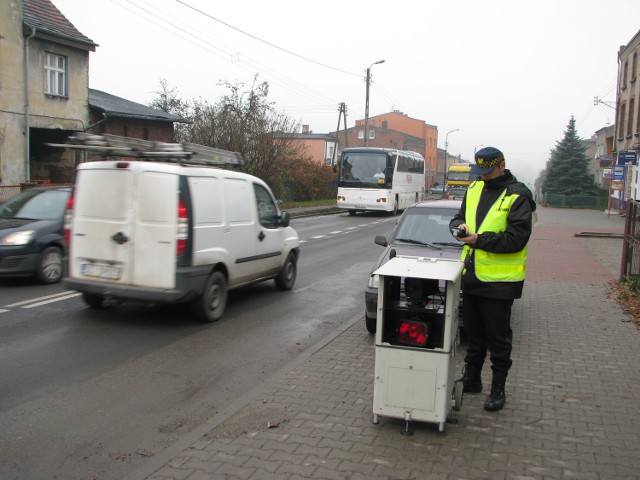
{"x":48,"y":111}
{"x":628,"y":111}
{"x":134,"y":128}
{"x":409,"y":126}
{"x":12,"y":94}
{"x":318,"y":149}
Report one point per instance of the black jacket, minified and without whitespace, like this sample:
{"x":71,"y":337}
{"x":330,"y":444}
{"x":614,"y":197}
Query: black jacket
{"x":513,"y":239}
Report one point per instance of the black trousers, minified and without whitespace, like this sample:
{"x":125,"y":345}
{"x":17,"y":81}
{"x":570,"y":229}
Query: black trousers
{"x":487,"y":322}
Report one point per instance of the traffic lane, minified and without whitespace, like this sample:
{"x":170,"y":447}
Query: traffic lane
{"x":126,"y":383}
{"x":73,"y":339}
{"x":15,"y":290}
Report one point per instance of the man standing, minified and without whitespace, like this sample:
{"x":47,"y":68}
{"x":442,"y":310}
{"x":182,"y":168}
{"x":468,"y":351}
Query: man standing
{"x":494,"y":222}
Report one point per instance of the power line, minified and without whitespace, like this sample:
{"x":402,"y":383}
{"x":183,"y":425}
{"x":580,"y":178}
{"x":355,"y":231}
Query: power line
{"x":266,"y":42}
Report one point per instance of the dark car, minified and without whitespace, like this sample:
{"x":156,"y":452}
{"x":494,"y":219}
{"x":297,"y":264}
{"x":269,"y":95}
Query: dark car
{"x":437,"y":190}
{"x":422,"y":231}
{"x":31,"y":241}
{"x":456,"y":193}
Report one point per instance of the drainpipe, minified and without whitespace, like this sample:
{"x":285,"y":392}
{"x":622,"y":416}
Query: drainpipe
{"x":26,"y":105}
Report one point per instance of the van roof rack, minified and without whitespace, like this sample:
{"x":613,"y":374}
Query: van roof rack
{"x":185,"y":153}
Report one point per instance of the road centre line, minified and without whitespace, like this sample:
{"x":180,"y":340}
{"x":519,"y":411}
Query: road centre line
{"x":25,"y":302}
{"x":70,"y":295}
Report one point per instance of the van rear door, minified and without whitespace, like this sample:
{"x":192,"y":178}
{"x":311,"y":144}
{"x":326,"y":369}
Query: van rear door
{"x":124,"y":224}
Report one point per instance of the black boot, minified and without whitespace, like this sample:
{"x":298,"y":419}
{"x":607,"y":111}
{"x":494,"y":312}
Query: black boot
{"x":471,"y":380}
{"x":497,"y":398}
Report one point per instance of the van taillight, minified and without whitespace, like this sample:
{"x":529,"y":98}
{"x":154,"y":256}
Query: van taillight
{"x":68,"y":213}
{"x":183,"y":227}
{"x":414,"y":333}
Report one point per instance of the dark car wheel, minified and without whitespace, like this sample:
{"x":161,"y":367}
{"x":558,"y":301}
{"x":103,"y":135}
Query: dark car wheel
{"x":49,"y":267}
{"x":370,"y":323}
{"x":287,"y":276}
{"x":210,"y":306}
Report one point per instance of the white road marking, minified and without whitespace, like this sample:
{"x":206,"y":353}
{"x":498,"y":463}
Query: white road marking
{"x":24,"y":302}
{"x":71,"y":295}
{"x":36,"y":302}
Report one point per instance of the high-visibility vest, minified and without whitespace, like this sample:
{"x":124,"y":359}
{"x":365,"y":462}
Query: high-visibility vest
{"x":493,"y":267}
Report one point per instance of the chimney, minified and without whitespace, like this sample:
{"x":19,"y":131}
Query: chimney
{"x":305,"y":128}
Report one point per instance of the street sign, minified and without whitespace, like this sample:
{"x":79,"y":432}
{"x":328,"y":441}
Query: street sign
{"x":618,"y":173}
{"x":627,"y":158}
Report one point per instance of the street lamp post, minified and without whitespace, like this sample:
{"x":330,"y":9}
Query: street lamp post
{"x":366,"y":102}
{"x":446,"y":144}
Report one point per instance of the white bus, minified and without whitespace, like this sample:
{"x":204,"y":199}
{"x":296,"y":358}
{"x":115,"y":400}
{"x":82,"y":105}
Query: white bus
{"x":379,"y":179}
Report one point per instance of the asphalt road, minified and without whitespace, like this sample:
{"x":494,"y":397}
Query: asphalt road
{"x":91,"y":394}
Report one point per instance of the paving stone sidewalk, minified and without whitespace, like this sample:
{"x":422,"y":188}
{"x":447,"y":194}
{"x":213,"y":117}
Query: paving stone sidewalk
{"x":571,"y":412}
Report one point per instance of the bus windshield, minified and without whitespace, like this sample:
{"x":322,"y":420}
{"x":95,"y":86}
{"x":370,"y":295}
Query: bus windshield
{"x":366,"y":170}
{"x":465,"y":176}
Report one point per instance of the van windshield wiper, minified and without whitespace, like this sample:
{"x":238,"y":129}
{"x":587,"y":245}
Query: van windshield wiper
{"x":417,"y":242}
{"x":449,"y":244}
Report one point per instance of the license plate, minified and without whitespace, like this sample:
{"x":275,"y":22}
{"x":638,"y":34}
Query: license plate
{"x":101,"y":271}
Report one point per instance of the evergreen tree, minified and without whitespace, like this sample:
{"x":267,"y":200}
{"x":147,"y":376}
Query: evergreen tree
{"x":567,"y":170}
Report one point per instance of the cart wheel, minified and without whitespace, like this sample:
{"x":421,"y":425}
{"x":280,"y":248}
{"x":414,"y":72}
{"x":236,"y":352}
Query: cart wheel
{"x":457,"y":395}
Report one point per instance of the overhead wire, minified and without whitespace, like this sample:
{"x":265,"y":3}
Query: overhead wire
{"x":204,"y":41}
{"x":265,"y":41}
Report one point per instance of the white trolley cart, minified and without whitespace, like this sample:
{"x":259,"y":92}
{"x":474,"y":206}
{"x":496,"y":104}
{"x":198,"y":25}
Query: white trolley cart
{"x":416,"y":339}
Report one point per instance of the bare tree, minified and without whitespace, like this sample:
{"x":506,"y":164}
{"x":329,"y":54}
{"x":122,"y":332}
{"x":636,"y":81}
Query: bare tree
{"x":168,"y":100}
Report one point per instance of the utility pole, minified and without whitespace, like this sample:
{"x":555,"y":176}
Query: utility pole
{"x":342,"y":113}
{"x":366,"y":102}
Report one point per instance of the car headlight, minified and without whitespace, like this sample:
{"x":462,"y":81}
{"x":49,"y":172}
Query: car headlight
{"x":18,"y":238}
{"x":373,"y":281}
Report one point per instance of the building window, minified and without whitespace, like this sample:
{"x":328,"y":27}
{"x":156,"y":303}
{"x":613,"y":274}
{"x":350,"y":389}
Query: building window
{"x":55,"y":71}
{"x":125,"y":131}
{"x":621,"y":120}
{"x":625,"y":71}
{"x":638,"y":120}
{"x":360,"y":134}
{"x":634,"y":66}
{"x":372,"y":134}
{"x":630,"y":119}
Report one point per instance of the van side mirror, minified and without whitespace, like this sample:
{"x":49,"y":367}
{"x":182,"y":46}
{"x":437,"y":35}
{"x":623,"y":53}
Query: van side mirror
{"x":381,"y":240}
{"x":284,"y":219}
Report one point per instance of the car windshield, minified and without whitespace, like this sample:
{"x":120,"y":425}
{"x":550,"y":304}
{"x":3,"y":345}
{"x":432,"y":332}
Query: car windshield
{"x":36,"y":205}
{"x":428,"y":226}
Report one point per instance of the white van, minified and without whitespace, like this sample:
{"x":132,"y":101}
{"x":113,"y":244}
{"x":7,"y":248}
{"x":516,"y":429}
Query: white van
{"x":166,"y":232}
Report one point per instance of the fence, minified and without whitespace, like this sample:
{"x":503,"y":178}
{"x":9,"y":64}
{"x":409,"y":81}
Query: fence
{"x":631,"y":243}
{"x":575,"y":201}
{"x":8,"y":191}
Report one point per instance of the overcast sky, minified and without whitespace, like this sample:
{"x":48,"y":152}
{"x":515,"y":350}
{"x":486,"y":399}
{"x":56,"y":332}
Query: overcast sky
{"x":505,"y":73}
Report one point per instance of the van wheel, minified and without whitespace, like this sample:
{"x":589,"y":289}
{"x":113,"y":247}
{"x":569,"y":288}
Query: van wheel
{"x":352,"y":213}
{"x":94,"y":301}
{"x":287,"y":276}
{"x":49,"y":267}
{"x":210,"y":306}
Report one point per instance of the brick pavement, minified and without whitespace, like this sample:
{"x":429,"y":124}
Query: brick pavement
{"x":571,"y":412}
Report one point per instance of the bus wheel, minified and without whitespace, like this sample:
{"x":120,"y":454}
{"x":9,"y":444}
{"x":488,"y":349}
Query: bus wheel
{"x":352,"y":213}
